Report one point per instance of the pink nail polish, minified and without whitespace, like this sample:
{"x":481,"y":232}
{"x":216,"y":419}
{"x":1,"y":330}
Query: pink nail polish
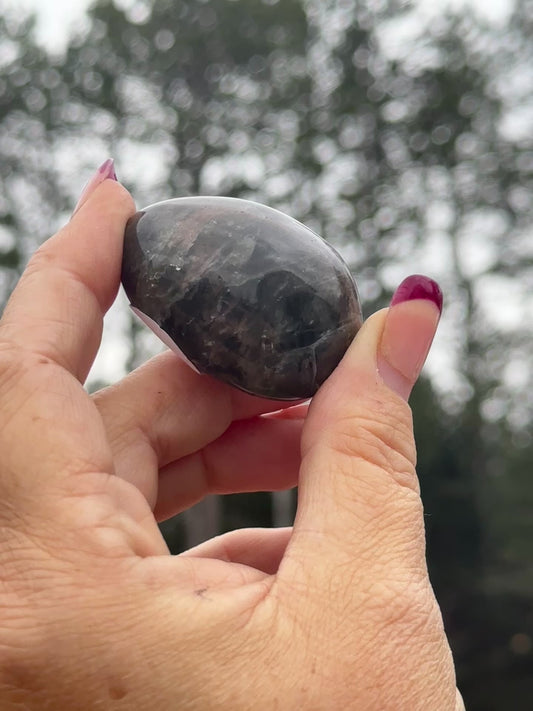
{"x":408,"y":332}
{"x":105,"y":171}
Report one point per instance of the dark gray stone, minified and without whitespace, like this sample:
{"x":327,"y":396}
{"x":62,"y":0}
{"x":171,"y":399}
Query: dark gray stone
{"x":249,"y":295}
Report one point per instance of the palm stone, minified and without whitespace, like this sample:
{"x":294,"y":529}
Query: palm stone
{"x":247,"y":294}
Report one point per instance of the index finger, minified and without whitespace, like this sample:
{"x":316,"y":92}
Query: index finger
{"x":57,"y":308}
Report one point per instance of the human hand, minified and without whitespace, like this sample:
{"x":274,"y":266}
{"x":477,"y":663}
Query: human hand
{"x":336,"y":613}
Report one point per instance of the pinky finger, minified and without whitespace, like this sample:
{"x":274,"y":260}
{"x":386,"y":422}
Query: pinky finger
{"x":259,"y":548}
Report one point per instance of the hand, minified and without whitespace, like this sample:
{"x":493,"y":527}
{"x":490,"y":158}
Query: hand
{"x":336,"y":613}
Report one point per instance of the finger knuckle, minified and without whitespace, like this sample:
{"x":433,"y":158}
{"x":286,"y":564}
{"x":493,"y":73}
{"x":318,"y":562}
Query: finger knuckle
{"x":403,"y":604}
{"x":15,"y":362}
{"x":44,"y":258}
{"x":382,"y":436}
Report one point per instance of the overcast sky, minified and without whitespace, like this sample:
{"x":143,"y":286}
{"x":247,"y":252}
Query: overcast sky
{"x":56,"y":17}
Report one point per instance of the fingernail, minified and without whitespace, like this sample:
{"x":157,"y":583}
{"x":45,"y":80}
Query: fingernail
{"x":409,"y":330}
{"x":105,"y":171}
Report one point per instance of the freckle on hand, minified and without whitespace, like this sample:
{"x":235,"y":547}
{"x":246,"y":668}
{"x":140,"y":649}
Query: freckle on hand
{"x":116,"y":691}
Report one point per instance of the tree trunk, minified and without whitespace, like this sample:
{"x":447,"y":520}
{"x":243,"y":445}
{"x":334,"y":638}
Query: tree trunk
{"x":282,"y":508}
{"x":202,"y":521}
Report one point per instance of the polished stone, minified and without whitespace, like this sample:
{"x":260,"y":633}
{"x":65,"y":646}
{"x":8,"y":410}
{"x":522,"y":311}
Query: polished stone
{"x":246,"y":293}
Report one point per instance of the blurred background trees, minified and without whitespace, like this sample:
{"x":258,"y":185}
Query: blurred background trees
{"x":406,"y":139}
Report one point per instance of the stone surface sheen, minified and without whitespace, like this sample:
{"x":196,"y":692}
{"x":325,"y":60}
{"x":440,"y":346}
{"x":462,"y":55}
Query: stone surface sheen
{"x":248,"y":294}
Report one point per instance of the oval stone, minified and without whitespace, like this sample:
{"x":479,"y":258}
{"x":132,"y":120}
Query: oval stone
{"x":248,"y":294}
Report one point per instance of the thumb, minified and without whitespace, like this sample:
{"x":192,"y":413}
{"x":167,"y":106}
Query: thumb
{"x":358,"y":491}
{"x":357,"y":553}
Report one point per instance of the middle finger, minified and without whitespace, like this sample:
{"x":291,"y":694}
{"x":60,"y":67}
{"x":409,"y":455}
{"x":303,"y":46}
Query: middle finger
{"x":164,"y":411}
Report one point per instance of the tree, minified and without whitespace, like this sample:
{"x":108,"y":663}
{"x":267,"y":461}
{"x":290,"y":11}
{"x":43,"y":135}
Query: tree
{"x":28,"y":88}
{"x":410,"y":155}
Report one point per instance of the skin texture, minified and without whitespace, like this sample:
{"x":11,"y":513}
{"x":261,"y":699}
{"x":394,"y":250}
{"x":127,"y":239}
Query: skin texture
{"x":336,"y":613}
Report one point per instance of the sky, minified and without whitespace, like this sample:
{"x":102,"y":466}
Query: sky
{"x":57,"y":17}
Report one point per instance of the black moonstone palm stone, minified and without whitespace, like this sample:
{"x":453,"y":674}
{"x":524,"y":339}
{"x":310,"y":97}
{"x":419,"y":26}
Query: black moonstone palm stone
{"x":249,"y":295}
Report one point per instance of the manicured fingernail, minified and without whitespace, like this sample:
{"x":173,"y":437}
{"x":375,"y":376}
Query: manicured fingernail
{"x":105,"y":171}
{"x":409,"y":330}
